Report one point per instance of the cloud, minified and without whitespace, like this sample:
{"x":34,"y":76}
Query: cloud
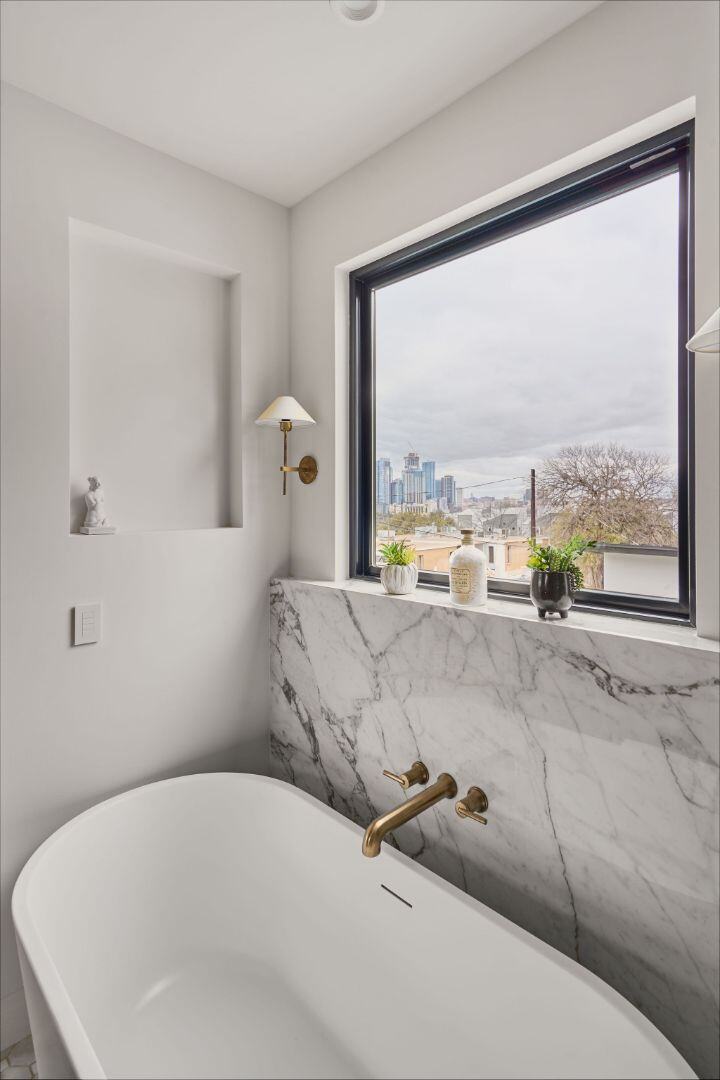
{"x":565,"y":333}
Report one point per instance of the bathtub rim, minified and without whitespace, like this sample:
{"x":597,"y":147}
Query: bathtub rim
{"x":70,"y":1029}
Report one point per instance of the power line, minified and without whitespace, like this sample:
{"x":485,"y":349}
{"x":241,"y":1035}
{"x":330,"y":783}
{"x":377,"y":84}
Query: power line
{"x":488,"y":483}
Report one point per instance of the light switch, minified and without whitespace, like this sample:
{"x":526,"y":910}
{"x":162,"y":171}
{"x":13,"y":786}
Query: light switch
{"x":86,"y":624}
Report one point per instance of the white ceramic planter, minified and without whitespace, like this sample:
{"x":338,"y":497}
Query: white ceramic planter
{"x":399,"y":580}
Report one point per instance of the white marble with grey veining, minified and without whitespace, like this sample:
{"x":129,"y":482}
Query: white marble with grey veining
{"x":599,"y":755}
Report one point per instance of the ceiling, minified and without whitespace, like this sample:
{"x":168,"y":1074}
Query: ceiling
{"x":279,"y":96}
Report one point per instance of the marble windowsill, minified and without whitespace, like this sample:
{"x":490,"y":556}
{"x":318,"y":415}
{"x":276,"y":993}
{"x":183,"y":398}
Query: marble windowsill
{"x":615,"y":625}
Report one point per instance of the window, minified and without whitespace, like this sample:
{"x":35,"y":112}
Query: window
{"x":526,"y":375}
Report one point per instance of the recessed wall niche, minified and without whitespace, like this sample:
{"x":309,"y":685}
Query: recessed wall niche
{"x":154,"y":338}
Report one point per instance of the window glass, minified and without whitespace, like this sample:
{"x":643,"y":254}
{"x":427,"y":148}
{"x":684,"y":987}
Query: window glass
{"x":554,"y":350}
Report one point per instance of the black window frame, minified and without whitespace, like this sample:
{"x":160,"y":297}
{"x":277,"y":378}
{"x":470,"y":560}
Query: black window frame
{"x":668,"y":152}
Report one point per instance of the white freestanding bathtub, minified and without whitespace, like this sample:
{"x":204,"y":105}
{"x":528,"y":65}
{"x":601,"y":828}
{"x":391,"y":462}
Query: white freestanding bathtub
{"x":228,"y":926}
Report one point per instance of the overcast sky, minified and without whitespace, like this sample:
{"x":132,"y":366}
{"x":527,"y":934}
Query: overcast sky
{"x":564,"y":334}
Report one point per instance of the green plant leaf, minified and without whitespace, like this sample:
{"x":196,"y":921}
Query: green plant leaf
{"x":561,"y":560}
{"x":397,"y":553}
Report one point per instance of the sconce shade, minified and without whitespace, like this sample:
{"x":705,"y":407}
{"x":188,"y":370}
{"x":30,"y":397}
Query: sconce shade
{"x":285,"y":408}
{"x":707,"y":338}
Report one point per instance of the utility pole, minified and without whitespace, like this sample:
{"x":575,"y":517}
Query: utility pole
{"x":533,"y":515}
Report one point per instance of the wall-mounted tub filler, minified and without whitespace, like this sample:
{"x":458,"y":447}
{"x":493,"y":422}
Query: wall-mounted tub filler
{"x":472,"y":806}
{"x":443,"y":788}
{"x":133,"y":966}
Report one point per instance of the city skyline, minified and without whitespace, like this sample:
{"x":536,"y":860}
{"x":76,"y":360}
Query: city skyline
{"x":416,"y":484}
{"x":517,"y":484}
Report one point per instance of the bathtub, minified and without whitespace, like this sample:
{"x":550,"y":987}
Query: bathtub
{"x":228,"y":926}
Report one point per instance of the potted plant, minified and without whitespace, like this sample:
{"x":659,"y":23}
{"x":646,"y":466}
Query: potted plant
{"x":399,"y":574}
{"x":556,"y":575}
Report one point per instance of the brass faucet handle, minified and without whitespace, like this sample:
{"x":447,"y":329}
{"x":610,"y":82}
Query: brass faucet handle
{"x":418,"y":774}
{"x":475,"y":801}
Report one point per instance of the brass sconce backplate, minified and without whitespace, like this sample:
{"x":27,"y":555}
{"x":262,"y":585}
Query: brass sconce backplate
{"x":307,"y":469}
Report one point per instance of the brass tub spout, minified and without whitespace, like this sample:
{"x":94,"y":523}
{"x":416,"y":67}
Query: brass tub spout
{"x":443,"y":788}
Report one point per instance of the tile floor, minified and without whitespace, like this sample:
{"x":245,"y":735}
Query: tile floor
{"x":18,"y":1061}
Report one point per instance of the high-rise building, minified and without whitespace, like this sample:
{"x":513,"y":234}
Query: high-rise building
{"x":459,"y":496}
{"x":413,"y":484}
{"x":438,"y":489}
{"x":397,"y":494}
{"x":412,"y":460}
{"x":428,"y":470}
{"x":447,"y":490}
{"x":383,"y":480}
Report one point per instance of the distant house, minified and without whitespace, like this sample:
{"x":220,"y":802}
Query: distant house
{"x":511,"y":522}
{"x":507,"y":558}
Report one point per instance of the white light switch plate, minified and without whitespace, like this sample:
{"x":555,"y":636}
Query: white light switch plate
{"x":86,"y":624}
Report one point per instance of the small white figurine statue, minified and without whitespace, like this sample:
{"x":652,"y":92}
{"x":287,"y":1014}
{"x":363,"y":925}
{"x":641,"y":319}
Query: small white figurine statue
{"x":95,"y":519}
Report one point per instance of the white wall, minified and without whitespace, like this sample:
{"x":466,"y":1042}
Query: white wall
{"x":556,"y":109}
{"x":648,"y":575}
{"x":180,"y":681}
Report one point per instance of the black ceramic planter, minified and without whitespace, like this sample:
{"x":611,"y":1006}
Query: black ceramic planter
{"x":552,"y":592}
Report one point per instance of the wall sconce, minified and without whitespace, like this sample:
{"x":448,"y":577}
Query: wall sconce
{"x":286,"y":412}
{"x":707,"y":338}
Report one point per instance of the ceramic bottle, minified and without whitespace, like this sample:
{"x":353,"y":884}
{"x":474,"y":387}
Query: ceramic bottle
{"x":468,"y":573}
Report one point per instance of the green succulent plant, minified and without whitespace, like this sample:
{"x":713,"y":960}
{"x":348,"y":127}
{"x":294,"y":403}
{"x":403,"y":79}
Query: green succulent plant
{"x":561,"y":560}
{"x":398,"y":553}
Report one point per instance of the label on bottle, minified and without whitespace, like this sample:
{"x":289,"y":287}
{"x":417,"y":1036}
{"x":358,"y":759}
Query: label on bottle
{"x":460,"y":580}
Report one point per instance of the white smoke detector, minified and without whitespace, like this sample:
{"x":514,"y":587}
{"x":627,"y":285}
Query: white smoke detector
{"x":357,"y":11}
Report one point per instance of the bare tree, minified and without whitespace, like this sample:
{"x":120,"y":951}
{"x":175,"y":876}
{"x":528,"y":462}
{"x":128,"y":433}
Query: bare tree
{"x":608,"y":492}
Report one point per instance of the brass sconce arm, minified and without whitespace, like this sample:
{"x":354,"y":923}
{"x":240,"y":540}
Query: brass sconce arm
{"x":285,"y":427}
{"x":307,"y":469}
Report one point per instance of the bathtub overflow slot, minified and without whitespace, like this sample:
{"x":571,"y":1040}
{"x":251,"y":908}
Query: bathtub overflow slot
{"x":400,"y":898}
